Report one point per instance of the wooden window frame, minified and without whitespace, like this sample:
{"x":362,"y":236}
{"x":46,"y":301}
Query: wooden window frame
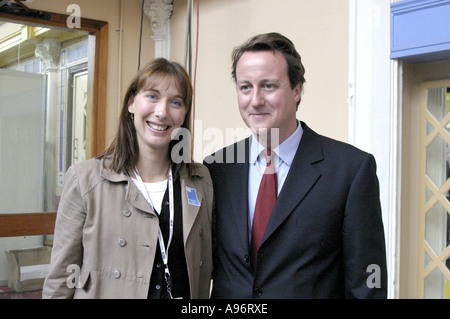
{"x":27,"y":224}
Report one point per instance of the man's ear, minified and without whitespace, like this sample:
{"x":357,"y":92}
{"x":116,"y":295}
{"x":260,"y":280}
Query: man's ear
{"x":298,"y":92}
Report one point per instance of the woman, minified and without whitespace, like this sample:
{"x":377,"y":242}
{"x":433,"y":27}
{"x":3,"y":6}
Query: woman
{"x":122,"y":211}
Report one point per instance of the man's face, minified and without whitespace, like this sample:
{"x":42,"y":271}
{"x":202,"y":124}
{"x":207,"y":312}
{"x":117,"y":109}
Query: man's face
{"x":265,"y":97}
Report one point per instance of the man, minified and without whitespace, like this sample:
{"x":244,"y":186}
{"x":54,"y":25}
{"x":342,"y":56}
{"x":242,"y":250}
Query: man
{"x":324,"y":236}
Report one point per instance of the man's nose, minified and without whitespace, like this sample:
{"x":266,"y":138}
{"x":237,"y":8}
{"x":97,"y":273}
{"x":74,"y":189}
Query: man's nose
{"x":257,"y":98}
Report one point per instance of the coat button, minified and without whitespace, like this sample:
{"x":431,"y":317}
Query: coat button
{"x":116,"y":274}
{"x":127,"y":213}
{"x":122,"y":242}
{"x":257,"y":292}
{"x":246,"y":259}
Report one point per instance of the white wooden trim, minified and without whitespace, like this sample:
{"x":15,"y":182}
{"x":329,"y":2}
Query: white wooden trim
{"x":374,"y":121}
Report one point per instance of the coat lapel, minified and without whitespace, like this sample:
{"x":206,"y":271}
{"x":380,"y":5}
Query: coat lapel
{"x":133,"y":195}
{"x":301,"y":178}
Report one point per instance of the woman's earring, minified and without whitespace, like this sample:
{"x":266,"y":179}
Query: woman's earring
{"x":132,"y":116}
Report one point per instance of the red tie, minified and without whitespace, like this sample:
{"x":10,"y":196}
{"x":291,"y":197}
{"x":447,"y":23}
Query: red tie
{"x":267,"y":196}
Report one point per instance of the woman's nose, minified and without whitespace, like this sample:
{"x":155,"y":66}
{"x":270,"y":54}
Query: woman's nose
{"x":161,"y":109}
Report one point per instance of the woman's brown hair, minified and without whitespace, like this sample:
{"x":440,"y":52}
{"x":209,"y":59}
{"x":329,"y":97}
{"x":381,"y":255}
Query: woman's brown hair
{"x":124,"y":150}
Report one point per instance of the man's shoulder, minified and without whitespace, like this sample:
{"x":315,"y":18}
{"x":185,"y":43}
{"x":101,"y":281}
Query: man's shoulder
{"x":331,"y":146}
{"x":236,"y":153}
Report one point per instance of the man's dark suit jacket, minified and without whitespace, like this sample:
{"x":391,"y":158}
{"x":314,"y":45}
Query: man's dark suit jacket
{"x":325,"y":236}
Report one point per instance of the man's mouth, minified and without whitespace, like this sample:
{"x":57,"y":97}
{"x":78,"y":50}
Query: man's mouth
{"x":259,"y":115}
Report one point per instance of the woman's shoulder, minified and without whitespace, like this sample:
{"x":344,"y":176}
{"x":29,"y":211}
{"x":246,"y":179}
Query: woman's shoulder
{"x":198,"y":170}
{"x":84,"y":171}
{"x":198,"y":174}
{"x":86,"y":168}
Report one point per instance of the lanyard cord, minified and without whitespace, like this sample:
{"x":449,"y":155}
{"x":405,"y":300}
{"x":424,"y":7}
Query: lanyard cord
{"x":164,"y":251}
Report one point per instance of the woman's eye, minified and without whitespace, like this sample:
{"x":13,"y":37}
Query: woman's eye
{"x":177,"y":103}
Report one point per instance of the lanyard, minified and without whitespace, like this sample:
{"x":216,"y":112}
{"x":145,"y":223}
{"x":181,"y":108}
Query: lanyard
{"x":164,"y":251}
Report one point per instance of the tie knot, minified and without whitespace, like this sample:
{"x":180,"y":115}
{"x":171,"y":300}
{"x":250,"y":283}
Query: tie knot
{"x":268,"y":155}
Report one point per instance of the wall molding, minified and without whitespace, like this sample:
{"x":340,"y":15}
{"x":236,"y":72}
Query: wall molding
{"x":159,"y":13}
{"x":420,"y":30}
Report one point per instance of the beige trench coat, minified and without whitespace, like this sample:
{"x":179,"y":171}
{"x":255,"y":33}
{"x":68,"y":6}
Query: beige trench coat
{"x":106,"y":227}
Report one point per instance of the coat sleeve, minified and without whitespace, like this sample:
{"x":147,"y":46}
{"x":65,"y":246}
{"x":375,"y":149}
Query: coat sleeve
{"x":67,"y":243}
{"x":363,"y":236}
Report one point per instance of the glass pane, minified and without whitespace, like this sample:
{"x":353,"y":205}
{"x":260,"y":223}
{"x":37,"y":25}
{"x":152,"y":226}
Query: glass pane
{"x":435,"y":285}
{"x":436,"y":102}
{"x":429,"y":128}
{"x":436,"y":161}
{"x":22,"y":118}
{"x":436,"y":228}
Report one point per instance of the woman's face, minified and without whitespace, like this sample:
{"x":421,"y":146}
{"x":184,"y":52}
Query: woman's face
{"x":158,"y":112}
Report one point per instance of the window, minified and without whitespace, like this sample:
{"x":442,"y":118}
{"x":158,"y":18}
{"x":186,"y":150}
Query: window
{"x":434,"y":213}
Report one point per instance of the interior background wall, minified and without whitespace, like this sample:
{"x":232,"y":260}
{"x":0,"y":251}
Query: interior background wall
{"x":319,"y":30}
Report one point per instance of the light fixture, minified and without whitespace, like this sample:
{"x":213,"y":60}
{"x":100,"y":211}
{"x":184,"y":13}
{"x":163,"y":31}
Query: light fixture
{"x":17,"y":7}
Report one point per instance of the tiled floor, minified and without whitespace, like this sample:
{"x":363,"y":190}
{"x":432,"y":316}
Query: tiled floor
{"x":8,"y":293}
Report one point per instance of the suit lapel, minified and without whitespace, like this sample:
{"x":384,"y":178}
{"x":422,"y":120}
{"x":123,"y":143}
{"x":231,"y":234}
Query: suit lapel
{"x":237,"y":188}
{"x":301,"y":178}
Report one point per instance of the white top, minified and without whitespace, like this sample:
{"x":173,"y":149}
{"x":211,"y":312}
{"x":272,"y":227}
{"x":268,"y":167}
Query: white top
{"x":156,"y":192}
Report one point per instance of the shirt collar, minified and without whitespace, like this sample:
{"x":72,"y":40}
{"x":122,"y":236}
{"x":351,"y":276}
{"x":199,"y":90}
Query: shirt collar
{"x":285,"y":151}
